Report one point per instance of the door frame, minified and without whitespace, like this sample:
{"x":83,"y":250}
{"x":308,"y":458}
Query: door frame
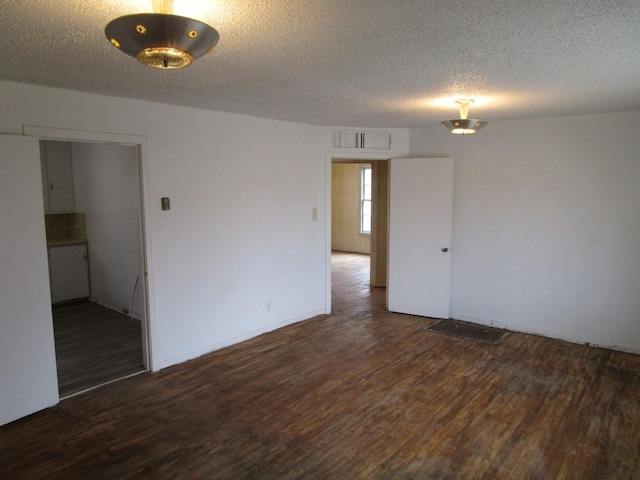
{"x":140,"y":142}
{"x":330,"y":157}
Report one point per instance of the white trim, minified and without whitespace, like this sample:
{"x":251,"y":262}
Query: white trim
{"x":235,"y":340}
{"x":70,"y":135}
{"x":139,"y":141}
{"x":115,"y":308}
{"x":546,"y":333}
{"x":362,"y":200}
{"x":102,"y":384}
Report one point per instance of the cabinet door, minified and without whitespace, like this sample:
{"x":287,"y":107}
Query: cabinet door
{"x":59,"y":177}
{"x":69,"y":273}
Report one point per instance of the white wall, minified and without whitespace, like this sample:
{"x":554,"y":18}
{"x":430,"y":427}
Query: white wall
{"x":547,"y":225}
{"x":106,"y":187}
{"x":239,"y":232}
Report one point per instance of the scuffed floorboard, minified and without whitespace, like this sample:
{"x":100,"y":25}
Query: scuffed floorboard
{"x":361,"y":393}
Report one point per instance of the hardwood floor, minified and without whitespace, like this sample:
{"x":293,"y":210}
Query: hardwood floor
{"x":362,"y":393}
{"x":94,"y":345}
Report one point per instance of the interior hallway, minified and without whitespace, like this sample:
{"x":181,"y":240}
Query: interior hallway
{"x":350,"y":290}
{"x":361,"y":393}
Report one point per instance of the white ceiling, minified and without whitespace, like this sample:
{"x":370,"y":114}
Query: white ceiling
{"x":367,"y":63}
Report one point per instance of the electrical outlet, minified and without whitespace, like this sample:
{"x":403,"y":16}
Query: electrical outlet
{"x":268,"y":305}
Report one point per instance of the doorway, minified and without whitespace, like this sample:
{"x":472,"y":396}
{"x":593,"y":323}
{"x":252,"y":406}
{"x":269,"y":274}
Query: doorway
{"x":419,"y":227}
{"x":92,"y":218}
{"x":358,"y":200}
{"x":103,"y":335}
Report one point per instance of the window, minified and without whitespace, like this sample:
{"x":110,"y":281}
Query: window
{"x":365,"y":200}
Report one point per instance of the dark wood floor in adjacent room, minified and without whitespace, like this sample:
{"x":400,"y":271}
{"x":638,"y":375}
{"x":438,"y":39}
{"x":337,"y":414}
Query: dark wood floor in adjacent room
{"x":361,"y":393}
{"x":94,"y":345}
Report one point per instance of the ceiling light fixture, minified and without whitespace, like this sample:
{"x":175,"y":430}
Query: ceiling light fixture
{"x":161,"y":39}
{"x":464,"y":125}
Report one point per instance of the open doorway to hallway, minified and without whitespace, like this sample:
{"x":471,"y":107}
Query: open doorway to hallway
{"x":359,"y":219}
{"x":350,"y":288}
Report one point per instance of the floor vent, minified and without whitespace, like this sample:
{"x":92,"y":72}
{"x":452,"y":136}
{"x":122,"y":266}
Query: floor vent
{"x":471,"y":331}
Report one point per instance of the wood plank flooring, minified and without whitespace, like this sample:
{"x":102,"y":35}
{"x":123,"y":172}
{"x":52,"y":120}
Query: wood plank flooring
{"x":94,"y":345}
{"x":362,"y":393}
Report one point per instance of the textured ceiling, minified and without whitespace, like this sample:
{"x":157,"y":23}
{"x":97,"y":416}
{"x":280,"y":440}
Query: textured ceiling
{"x":368,"y":63}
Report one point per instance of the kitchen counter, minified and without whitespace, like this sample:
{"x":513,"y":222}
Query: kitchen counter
{"x":65,"y":229}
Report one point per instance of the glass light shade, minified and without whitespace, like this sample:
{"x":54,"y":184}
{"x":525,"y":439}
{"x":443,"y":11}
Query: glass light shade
{"x":464,"y":126}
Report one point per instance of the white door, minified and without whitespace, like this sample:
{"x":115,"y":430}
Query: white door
{"x":420,"y":229}
{"x":28,"y":379}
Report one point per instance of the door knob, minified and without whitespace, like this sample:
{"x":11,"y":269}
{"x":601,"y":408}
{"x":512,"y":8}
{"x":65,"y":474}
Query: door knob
{"x":445,"y":249}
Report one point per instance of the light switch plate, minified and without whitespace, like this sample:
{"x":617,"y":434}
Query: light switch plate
{"x":166,"y":203}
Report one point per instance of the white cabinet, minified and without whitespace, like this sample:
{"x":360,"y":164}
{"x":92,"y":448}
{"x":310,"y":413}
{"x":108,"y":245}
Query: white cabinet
{"x":68,"y":272}
{"x":57,"y":177}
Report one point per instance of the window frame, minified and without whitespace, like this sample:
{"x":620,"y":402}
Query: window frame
{"x":363,"y":184}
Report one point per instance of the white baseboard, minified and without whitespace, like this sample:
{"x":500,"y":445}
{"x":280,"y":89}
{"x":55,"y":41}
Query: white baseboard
{"x":553,"y":335}
{"x":115,"y":308}
{"x":232,"y":341}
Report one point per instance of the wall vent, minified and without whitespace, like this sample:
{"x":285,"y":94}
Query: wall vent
{"x":367,"y":140}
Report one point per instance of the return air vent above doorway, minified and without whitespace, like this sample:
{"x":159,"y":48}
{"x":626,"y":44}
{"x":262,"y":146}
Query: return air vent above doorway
{"x":363,"y":139}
